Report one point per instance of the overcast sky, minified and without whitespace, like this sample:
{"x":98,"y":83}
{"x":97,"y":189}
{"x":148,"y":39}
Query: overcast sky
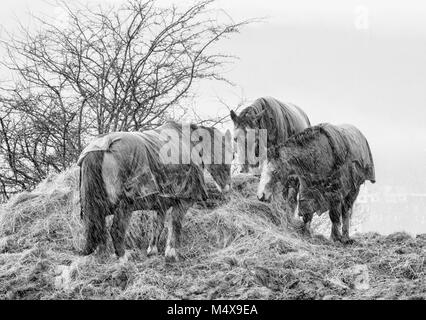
{"x":341,"y":61}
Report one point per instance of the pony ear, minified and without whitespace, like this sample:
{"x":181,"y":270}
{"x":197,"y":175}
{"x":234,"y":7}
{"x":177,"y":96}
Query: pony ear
{"x":234,"y":116}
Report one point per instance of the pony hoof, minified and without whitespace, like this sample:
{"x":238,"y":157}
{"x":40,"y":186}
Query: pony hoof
{"x":348,"y":241}
{"x":120,"y":253}
{"x":171,"y":255}
{"x":86,"y":252}
{"x":125,"y":258}
{"x":336,"y":239}
{"x":152,"y":251}
{"x":306,"y":232}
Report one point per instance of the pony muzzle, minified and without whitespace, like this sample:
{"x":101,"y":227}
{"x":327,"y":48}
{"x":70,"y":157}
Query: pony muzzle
{"x":225,"y":189}
{"x":264,"y":197}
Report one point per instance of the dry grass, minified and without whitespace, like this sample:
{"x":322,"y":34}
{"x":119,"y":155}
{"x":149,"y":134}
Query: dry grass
{"x":240,"y":249}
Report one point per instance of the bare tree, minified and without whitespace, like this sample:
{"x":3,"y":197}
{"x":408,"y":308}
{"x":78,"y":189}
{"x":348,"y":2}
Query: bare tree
{"x":120,"y":68}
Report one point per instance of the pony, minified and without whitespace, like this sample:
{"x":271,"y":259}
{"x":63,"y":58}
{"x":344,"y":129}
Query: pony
{"x":281,"y":120}
{"x":159,"y":170}
{"x":331,"y":163}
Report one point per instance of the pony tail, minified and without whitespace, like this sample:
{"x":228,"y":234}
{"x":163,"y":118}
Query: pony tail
{"x":94,"y":203}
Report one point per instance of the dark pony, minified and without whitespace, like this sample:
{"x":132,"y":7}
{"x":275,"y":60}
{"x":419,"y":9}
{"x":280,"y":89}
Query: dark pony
{"x":331,"y":163}
{"x":123,"y":172}
{"x":281,"y":120}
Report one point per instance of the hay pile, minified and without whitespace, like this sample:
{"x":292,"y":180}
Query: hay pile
{"x":240,"y":249}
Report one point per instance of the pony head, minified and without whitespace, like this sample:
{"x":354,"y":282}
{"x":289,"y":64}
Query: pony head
{"x":275,"y":172}
{"x":245,"y":145}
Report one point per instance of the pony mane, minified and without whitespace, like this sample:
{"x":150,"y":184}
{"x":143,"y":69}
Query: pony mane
{"x":249,"y":112}
{"x":171,"y":124}
{"x":301,"y":139}
{"x":280,"y":119}
{"x":270,"y":106}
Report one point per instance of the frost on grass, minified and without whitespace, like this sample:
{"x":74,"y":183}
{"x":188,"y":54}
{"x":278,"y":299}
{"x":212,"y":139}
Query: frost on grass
{"x":239,"y":248}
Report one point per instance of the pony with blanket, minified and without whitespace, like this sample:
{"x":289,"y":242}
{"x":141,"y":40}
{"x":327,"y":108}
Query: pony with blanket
{"x":331,"y":163}
{"x":159,"y":170}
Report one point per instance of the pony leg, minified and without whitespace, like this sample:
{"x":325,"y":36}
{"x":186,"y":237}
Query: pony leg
{"x":292,"y":199}
{"x":174,"y":226}
{"x":119,"y":227}
{"x":95,"y":234}
{"x":345,"y":227}
{"x":307,"y":219}
{"x":346,"y":215}
{"x":293,"y":190}
{"x":335,"y":213}
{"x":157,"y":227}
